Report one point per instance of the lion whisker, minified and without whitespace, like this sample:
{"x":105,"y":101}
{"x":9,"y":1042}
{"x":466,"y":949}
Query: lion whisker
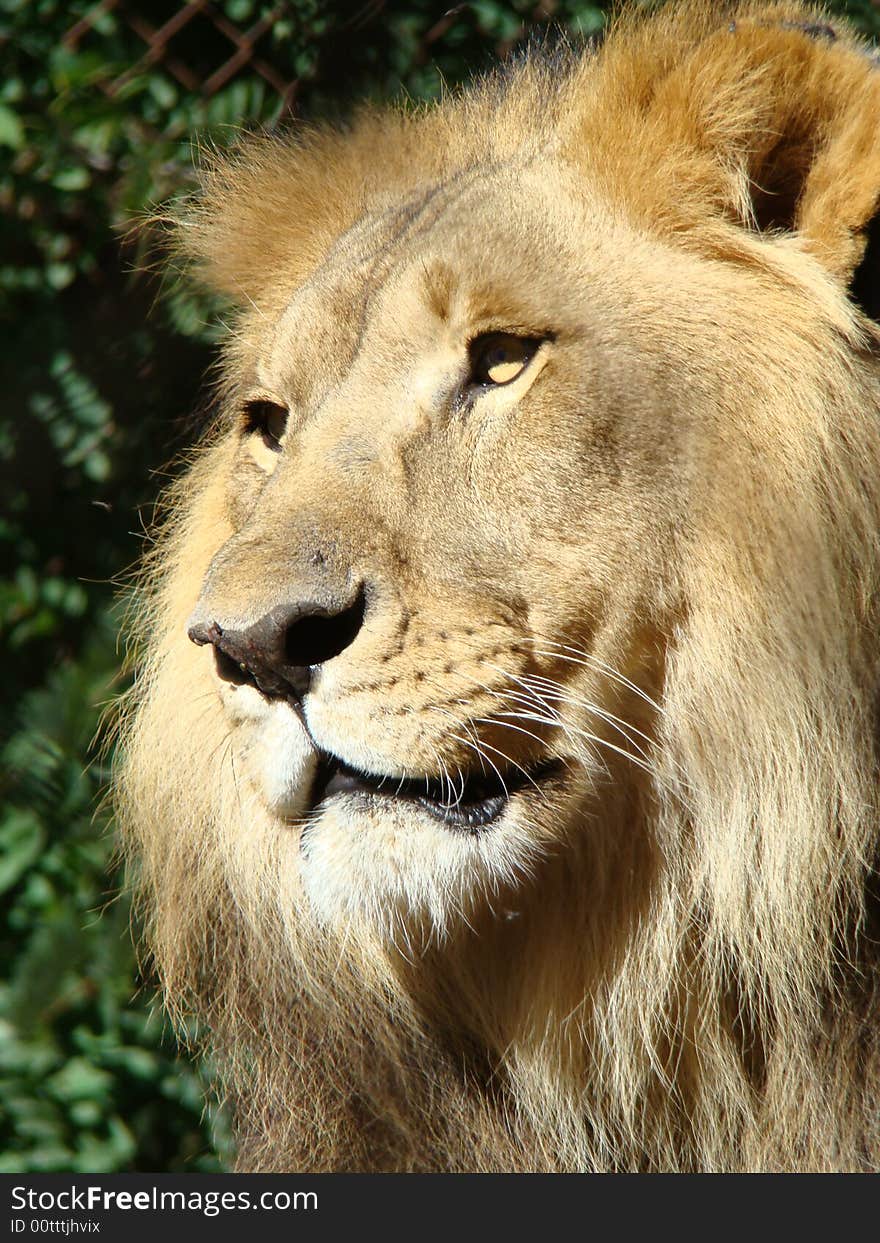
{"x":555,"y":718}
{"x":587,"y":660}
{"x":625,"y":727}
{"x":587,"y":735}
{"x":476,"y":746}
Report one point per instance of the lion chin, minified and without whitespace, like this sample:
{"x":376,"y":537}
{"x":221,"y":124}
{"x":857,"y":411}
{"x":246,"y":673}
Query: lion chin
{"x":500,"y":776}
{"x":379,"y":850}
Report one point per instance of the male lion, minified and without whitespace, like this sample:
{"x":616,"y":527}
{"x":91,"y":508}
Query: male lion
{"x":501,"y":778}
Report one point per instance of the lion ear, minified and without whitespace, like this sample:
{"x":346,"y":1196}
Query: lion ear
{"x":266,"y":212}
{"x":810,"y":95}
{"x":262,"y":212}
{"x":768,"y":114}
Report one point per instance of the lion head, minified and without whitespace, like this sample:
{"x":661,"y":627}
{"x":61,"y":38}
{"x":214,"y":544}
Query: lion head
{"x":501,"y":775}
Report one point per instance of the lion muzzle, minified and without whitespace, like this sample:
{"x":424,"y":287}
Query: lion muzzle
{"x":279,"y":653}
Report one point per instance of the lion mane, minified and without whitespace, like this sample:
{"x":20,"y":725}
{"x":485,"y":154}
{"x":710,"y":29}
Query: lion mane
{"x":676,"y":968}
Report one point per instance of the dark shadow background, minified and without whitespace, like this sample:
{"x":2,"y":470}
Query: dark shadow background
{"x":102,"y":369}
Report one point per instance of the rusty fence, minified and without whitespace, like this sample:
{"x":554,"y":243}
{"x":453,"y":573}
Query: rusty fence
{"x":164,"y":36}
{"x":237,"y":47}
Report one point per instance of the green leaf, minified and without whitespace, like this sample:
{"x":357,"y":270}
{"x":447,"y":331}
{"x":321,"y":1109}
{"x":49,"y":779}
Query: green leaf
{"x":11,"y":129}
{"x":98,"y":1156}
{"x":72,"y":178}
{"x":21,"y":841}
{"x":79,"y":1081}
{"x":60,"y":275}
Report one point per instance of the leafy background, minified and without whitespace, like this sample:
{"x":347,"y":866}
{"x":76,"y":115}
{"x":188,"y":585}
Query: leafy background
{"x":102,"y":370}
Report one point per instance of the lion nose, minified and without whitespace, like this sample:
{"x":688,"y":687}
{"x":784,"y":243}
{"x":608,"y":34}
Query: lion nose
{"x":279,"y":653}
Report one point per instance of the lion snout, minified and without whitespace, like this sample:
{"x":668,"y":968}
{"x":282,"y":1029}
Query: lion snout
{"x":279,"y":652}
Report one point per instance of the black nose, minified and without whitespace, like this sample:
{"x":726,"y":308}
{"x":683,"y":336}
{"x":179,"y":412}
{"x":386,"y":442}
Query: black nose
{"x":279,"y":653}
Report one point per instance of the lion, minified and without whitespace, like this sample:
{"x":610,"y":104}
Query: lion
{"x":500,"y":777}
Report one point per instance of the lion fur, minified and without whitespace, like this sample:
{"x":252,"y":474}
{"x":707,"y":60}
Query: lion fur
{"x":692,"y":985}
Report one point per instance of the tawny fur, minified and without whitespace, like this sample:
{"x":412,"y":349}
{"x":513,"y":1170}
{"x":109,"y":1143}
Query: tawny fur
{"x":679,"y":972}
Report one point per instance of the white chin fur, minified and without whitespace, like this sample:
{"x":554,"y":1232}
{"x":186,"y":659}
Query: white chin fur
{"x":386,"y":868}
{"x":279,"y":757}
{"x":382,"y":867}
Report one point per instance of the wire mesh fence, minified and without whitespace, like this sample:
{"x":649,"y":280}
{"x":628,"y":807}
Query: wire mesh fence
{"x":203,"y":45}
{"x":197,"y":44}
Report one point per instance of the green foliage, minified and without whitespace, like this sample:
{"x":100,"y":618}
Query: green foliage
{"x":85,"y":1081}
{"x":99,"y":378}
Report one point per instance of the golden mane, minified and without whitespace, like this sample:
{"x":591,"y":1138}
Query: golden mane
{"x":697,"y":987}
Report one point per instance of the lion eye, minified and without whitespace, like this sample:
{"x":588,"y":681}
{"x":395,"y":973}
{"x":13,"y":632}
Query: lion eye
{"x":500,"y":357}
{"x":268,"y":419}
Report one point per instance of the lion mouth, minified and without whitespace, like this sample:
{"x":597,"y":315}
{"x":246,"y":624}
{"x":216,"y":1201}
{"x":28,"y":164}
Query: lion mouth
{"x":471,"y":802}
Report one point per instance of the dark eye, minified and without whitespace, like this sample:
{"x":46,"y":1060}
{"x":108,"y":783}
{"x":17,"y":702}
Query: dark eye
{"x":268,"y":419}
{"x":500,"y":357}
